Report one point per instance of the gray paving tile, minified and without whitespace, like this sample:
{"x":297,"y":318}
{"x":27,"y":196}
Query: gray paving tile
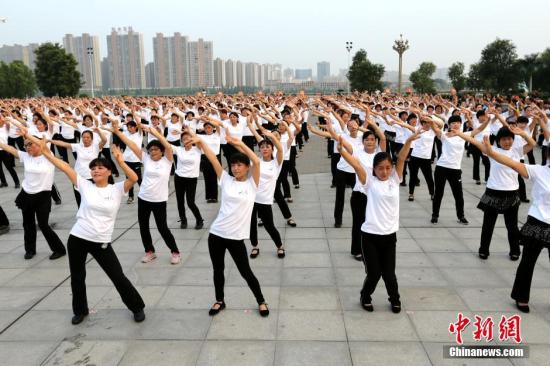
{"x":245,"y":325}
{"x":77,"y":351}
{"x":144,"y":353}
{"x":236,"y":353}
{"x":388,"y":353}
{"x":311,"y":325}
{"x":312,"y":353}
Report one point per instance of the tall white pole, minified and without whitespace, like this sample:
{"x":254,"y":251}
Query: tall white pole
{"x":90,"y":54}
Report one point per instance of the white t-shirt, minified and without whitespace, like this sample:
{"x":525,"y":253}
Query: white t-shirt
{"x":67,"y":131}
{"x":269,"y":172}
{"x":174,"y":131}
{"x":84,"y":155}
{"x":540,"y":207}
{"x":452,"y":151}
{"x":424,"y":144}
{"x":128,"y":154}
{"x":4,"y":133}
{"x":156,"y":175}
{"x":237,"y":202}
{"x":235,"y":131}
{"x":95,"y":219}
{"x":246,"y":130}
{"x":213,"y":142}
{"x":188,"y":161}
{"x":356,"y":142}
{"x":382,"y":213}
{"x":39,"y":173}
{"x":286,"y":148}
{"x":366,"y":161}
{"x":501,"y":177}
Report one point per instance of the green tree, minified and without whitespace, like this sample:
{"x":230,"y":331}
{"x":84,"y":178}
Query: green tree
{"x":498,"y":67}
{"x":363,"y":75}
{"x":16,"y":80}
{"x":528,"y":66}
{"x":474,"y":81}
{"x":421,"y":79}
{"x":456,"y":74}
{"x":541,"y":76}
{"x":56,"y":72}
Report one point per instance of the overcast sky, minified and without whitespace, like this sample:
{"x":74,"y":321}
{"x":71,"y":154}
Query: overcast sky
{"x":294,"y":33}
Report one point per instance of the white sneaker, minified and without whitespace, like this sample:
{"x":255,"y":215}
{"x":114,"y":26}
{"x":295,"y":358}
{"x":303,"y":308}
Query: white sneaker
{"x":148,"y":257}
{"x":176,"y":258}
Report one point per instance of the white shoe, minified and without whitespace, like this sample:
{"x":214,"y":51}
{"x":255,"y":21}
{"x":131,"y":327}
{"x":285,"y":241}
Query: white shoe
{"x":148,"y":257}
{"x":176,"y":258}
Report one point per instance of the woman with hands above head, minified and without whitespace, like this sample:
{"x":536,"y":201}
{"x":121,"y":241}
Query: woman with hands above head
{"x":379,"y":231}
{"x":92,"y":232}
{"x":232,"y":225}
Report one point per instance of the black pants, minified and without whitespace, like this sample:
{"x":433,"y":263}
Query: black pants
{"x":265,"y":213}
{"x":330,"y":148}
{"x":55,"y":195}
{"x":280,"y":199}
{"x":522,"y":189}
{"x":390,"y":143}
{"x":136,"y":167}
{"x":217,"y":247}
{"x":19,"y":141}
{"x":358,"y":203}
{"x":437,"y":149}
{"x":425,"y":165}
{"x":8,"y":160}
{"x":334,"y":159}
{"x":62,"y":150}
{"x":78,"y":251}
{"x":185,"y":189}
{"x":228,"y":151}
{"x":106,"y":152}
{"x":305,"y":131}
{"x":292,"y":166}
{"x":476,"y":154}
{"x":511,"y":222}
{"x":175,"y":163}
{"x":249,"y":141}
{"x":379,"y":259}
{"x":454,"y":176}
{"x":282,"y":180}
{"x":3,"y":218}
{"x":40,"y":209}
{"x":210,"y":178}
{"x":531,"y":158}
{"x":343,"y":179}
{"x":544,"y":154}
{"x":524,"y":273}
{"x":159,"y":212}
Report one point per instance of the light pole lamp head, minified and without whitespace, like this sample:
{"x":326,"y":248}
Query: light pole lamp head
{"x":349,"y":46}
{"x":401,"y":45}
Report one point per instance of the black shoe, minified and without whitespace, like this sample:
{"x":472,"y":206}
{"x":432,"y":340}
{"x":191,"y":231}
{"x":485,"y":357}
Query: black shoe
{"x":514,"y":257}
{"x":291,"y":222}
{"x":332,"y":186}
{"x":483,"y":256}
{"x":337,"y":224}
{"x":396,"y":307}
{"x":522,"y":308}
{"x":417,"y":184}
{"x":297,"y":186}
{"x":432,"y":197}
{"x":478,"y":182}
{"x":4,"y":229}
{"x":77,"y":319}
{"x":183,"y":225}
{"x":367,"y":305}
{"x":3,"y":185}
{"x":199,"y":225}
{"x":434,"y":220}
{"x":17,"y":186}
{"x":280,"y":253}
{"x":260,"y":223}
{"x":213,"y":311}
{"x":265,"y":312}
{"x":254,"y":253}
{"x":403,"y":184}
{"x":29,"y":255}
{"x":56,"y":255}
{"x":463,"y":221}
{"x":411,"y":197}
{"x":525,"y":200}
{"x":139,"y":316}
{"x":58,"y":202}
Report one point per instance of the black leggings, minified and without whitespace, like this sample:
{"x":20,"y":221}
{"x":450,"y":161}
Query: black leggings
{"x":8,"y":160}
{"x":426,"y":166}
{"x":62,"y":150}
{"x":228,"y":151}
{"x":19,"y":141}
{"x":185,"y":189}
{"x":358,"y":203}
{"x":476,"y":154}
{"x":280,"y":199}
{"x":210,"y":178}
{"x":3,"y":218}
{"x":106,"y":152}
{"x":343,"y":180}
{"x":136,"y":167}
{"x":511,"y":222}
{"x":454,"y":176}
{"x":217,"y":247}
{"x":105,"y":256}
{"x":265,"y":213}
{"x":292,"y":166}
{"x":379,"y":259}
{"x":524,"y":273}
{"x":334,"y":159}
{"x":283,"y":178}
{"x":159,"y":212}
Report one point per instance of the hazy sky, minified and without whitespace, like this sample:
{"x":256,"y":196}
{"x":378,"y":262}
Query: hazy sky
{"x":295,"y":33}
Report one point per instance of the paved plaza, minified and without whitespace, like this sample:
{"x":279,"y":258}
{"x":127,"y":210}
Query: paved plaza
{"x":313,"y":293}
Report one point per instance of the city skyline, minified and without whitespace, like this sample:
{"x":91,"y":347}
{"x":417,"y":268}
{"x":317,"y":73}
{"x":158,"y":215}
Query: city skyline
{"x":282,"y":32}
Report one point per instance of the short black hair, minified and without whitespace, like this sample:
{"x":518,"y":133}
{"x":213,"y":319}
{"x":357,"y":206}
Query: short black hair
{"x":523,"y":119}
{"x":239,"y":158}
{"x":453,"y":119}
{"x":101,"y":162}
{"x":480,"y":113}
{"x":131,"y":124}
{"x":155,"y":143}
{"x":88,"y":131}
{"x":504,"y":132}
{"x":265,"y":141}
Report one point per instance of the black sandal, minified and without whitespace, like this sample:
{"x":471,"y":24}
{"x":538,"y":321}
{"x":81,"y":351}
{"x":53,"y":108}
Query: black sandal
{"x":291,"y":222}
{"x":280,"y":253}
{"x":254,"y":253}
{"x":265,"y":312}
{"x":213,"y":311}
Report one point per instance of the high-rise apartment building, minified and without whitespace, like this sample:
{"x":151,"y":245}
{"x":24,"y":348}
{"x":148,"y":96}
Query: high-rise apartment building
{"x":85,"y":49}
{"x":241,"y":78}
{"x":201,"y":67}
{"x":126,"y":60}
{"x":171,"y":57}
{"x":323,"y":70}
{"x":303,"y":74}
{"x":18,"y":52}
{"x":219,"y":73}
{"x":230,"y":74}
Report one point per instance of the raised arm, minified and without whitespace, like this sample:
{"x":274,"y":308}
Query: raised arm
{"x":129,"y":143}
{"x":59,"y":164}
{"x":208,"y":153}
{"x":402,"y":157}
{"x":132,"y":176}
{"x":168,"y":152}
{"x":255,"y":161}
{"x":353,"y":162}
{"x":503,"y":159}
{"x":277,"y":144}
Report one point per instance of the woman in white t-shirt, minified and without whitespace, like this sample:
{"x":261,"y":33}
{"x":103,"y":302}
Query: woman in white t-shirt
{"x":501,"y":195}
{"x":188,"y":162}
{"x":34,"y":200}
{"x":86,"y":151}
{"x":213,"y":139}
{"x":535,"y":233}
{"x":232,"y":225}
{"x":379,"y":231}
{"x":93,"y":230}
{"x":153,"y":192}
{"x":134,"y":134}
{"x":6,"y":158}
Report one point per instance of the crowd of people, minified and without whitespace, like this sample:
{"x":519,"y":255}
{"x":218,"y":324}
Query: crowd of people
{"x":374,"y":141}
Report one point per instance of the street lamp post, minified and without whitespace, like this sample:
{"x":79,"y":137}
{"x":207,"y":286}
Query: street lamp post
{"x":90,"y":51}
{"x":400,"y":46}
{"x":349,"y":46}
